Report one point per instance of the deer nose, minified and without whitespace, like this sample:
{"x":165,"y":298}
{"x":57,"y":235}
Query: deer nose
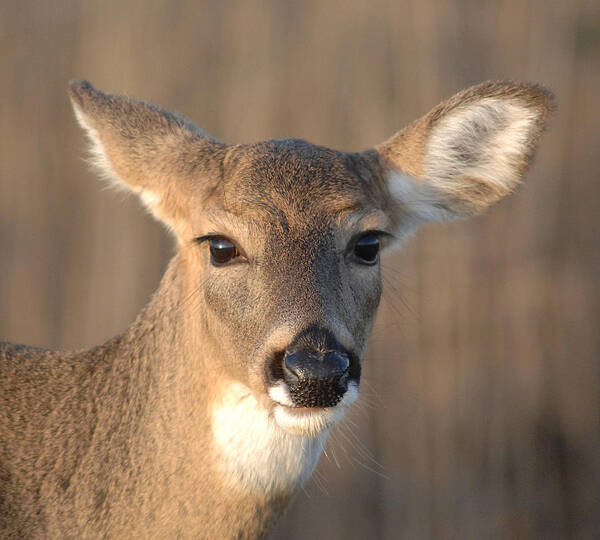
{"x":316,"y":378}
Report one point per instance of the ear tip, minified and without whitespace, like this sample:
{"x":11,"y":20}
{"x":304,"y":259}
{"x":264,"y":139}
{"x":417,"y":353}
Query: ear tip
{"x":534,"y":93}
{"x":540,"y":95}
{"x":80,"y":89}
{"x":547,"y":98}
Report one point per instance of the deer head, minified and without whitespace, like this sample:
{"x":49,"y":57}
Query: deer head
{"x":281,"y":240}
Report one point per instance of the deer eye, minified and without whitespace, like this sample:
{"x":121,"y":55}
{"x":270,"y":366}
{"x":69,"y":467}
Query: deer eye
{"x":366,"y":249}
{"x":222,"y":250}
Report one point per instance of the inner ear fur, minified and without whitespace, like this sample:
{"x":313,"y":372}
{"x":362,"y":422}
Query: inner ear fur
{"x":159,"y":155}
{"x":468,"y":152}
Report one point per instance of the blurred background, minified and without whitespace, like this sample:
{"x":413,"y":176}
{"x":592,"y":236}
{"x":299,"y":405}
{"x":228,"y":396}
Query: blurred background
{"x":480,"y":409}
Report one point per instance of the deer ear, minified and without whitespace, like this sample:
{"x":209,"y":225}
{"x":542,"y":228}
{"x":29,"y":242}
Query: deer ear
{"x":467,"y":153}
{"x":158,"y":155}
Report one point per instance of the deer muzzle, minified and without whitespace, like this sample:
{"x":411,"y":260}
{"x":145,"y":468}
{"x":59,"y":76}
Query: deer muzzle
{"x":315,"y":378}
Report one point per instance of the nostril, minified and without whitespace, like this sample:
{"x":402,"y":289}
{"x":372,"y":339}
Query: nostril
{"x":294,"y":367}
{"x":274,"y":368}
{"x":338,"y":363}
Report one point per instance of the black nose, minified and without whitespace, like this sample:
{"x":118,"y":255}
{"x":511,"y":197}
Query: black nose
{"x":316,"y":378}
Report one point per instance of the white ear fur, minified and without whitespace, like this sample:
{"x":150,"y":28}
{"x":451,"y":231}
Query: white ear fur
{"x":420,"y":199}
{"x":472,"y":151}
{"x":487,"y":140}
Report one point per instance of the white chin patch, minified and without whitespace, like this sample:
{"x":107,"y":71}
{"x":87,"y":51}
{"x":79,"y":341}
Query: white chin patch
{"x":271,"y":449}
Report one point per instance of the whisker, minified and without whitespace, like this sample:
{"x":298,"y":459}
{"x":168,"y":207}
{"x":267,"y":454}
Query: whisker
{"x":362,"y":450}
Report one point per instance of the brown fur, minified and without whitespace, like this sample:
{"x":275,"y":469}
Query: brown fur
{"x":116,"y":441}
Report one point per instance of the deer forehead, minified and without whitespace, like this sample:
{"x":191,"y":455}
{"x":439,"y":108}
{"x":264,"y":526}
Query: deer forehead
{"x":297,"y":178}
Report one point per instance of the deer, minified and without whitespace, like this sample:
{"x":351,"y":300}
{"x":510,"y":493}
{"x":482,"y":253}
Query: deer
{"x":206,"y":415}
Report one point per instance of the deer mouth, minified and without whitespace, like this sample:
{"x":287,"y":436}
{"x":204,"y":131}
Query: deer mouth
{"x":308,"y":421}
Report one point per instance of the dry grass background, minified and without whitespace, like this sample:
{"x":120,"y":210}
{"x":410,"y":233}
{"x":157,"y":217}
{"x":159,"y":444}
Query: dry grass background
{"x":480,"y":414}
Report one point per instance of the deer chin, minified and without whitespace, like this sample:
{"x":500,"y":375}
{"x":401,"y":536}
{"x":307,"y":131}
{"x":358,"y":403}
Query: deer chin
{"x":261,"y":453}
{"x":308,"y":421}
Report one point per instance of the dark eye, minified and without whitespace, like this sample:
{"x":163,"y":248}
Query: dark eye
{"x":222,"y":250}
{"x":366,"y":249}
